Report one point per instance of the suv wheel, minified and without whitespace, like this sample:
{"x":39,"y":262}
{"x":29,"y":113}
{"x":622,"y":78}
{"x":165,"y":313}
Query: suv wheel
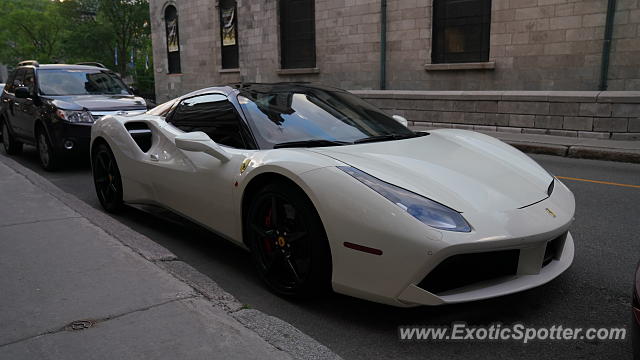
{"x":11,"y":145}
{"x":46,"y":154}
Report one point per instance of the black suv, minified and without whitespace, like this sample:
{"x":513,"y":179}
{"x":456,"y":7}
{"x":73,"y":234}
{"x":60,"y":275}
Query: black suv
{"x":54,"y":106}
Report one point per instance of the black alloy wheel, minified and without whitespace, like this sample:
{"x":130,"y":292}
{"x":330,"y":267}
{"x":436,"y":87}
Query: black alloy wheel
{"x":10,"y":144}
{"x":106,"y":177}
{"x":48,"y":157}
{"x":288,"y":243}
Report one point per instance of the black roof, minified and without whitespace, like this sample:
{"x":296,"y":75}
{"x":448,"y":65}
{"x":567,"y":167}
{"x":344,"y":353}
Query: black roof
{"x":63,"y":67}
{"x":262,"y":88}
{"x":280,"y":86}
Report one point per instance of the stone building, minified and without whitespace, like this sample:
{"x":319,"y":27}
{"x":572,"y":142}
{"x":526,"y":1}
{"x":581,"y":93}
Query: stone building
{"x":399,"y":45}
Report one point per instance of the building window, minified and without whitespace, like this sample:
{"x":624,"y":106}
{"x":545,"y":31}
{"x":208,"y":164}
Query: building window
{"x":173,"y":39}
{"x":461,"y":31}
{"x":229,"y":33}
{"x":297,"y":34}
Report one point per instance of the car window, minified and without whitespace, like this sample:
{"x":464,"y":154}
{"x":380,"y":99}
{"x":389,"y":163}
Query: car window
{"x":29,"y":80}
{"x":59,"y":82}
{"x":301,"y":114}
{"x":15,"y":81}
{"x":214,"y":115}
{"x":162,"y":109}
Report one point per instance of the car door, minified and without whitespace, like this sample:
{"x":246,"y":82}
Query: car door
{"x":28,"y":111}
{"x":12,"y":104}
{"x":196,"y":184}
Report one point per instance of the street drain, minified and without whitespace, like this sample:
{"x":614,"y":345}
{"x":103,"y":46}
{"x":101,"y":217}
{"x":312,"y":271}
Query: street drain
{"x":80,"y":325}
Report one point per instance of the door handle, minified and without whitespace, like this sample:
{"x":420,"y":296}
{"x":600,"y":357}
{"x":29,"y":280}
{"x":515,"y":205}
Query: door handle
{"x":154,"y":157}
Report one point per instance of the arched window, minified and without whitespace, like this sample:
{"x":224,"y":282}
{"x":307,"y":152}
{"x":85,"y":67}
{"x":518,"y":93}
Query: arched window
{"x":229,"y":33}
{"x":173,"y":39}
{"x":461,"y":30}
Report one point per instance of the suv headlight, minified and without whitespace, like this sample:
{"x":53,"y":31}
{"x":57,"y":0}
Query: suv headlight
{"x":426,"y":210}
{"x":75,"y":116}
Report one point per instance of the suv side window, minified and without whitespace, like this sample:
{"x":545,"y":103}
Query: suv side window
{"x":16,"y":81}
{"x":214,"y":115}
{"x":29,"y":80}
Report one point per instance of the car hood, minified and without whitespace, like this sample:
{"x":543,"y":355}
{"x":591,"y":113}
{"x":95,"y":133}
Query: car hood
{"x":464,"y":170}
{"x":98,"y":102}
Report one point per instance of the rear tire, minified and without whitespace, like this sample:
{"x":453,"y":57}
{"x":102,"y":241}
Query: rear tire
{"x":47,"y":155}
{"x":9,"y":142}
{"x":106,"y":177}
{"x":288,"y":243}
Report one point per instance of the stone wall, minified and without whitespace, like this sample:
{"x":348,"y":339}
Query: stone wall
{"x":605,"y":115}
{"x":535,"y":45}
{"x":199,"y":33}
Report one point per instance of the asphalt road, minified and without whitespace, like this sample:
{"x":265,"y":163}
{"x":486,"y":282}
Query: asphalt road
{"x":594,"y":292}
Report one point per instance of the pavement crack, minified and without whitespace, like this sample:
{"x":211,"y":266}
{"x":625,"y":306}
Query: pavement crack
{"x":40,"y":221}
{"x":65,"y":327}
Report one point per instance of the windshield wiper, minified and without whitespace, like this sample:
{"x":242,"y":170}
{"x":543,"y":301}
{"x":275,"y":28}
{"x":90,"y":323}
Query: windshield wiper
{"x":310,"y":143}
{"x":388,"y":137}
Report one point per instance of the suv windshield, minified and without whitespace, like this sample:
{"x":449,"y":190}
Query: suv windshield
{"x":301,"y":116}
{"x":59,"y":82}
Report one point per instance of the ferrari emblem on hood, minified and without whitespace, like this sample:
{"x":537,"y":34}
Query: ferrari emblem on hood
{"x":550,"y":212}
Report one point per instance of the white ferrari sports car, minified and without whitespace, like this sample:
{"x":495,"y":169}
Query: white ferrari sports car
{"x":327,"y":191}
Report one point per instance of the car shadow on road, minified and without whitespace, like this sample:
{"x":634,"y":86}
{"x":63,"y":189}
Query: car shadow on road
{"x":232,"y":268}
{"x":30,"y":159}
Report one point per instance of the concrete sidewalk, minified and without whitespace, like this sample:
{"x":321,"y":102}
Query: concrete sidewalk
{"x":576,"y":147}
{"x":76,"y":284}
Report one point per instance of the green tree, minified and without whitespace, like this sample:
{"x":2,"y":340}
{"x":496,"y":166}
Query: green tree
{"x":55,"y":31}
{"x":129,"y":21}
{"x":31,"y":29}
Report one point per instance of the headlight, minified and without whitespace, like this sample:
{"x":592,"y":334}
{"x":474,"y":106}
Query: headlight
{"x":75,"y":116}
{"x":427,"y":211}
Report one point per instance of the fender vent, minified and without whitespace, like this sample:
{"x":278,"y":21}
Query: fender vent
{"x":140,"y":133}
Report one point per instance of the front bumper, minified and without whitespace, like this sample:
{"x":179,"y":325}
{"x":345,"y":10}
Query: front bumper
{"x":635,"y":333}
{"x":67,"y":138}
{"x":531,"y":271}
{"x":410,"y":250}
{"x":635,"y":317}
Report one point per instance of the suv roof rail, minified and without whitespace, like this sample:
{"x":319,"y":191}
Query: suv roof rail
{"x":29,"y":62}
{"x":92,"y":63}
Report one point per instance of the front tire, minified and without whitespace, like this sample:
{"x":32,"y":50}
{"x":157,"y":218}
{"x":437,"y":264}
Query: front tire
{"x":9,"y":142}
{"x":288,"y":243}
{"x":48,"y":157}
{"x":106,"y":177}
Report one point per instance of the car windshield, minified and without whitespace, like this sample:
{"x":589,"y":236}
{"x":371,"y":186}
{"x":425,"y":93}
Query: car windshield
{"x":60,"y":82}
{"x":162,"y":109}
{"x":304,"y":116}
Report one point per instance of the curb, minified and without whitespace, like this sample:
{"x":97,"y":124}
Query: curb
{"x":275,"y":331}
{"x":577,"y":151}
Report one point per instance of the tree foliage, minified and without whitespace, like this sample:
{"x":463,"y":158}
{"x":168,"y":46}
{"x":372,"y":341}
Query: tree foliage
{"x":70,"y":31}
{"x":31,"y":29}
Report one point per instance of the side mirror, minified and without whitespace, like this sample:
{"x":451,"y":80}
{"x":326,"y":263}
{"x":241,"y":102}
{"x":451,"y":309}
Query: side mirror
{"x":22,"y":92}
{"x":401,"y":120}
{"x":200,"y":142}
{"x":134,"y":91}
